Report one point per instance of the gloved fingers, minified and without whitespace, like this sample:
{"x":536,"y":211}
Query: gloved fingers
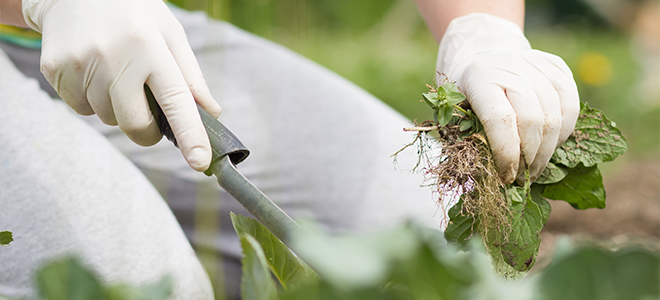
{"x":561,"y":78}
{"x":60,"y":72}
{"x":174,"y":97}
{"x":529,"y":114}
{"x":132,"y":109}
{"x":492,"y":106}
{"x":551,"y":130}
{"x":185,"y":58}
{"x":548,"y":99}
{"x":97,"y":91}
{"x":132,"y":39}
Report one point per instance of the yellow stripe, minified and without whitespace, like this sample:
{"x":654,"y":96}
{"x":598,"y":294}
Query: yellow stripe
{"x":25,"y":37}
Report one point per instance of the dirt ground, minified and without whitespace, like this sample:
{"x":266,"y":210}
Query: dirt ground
{"x":632,"y":214}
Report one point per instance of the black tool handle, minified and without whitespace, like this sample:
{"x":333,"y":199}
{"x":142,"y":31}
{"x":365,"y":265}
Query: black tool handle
{"x":228,"y":151}
{"x":223,"y":141}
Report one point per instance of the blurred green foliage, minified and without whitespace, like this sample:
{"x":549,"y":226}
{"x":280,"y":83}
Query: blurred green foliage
{"x":413,"y":263}
{"x":384,"y":47}
{"x":68,"y":278}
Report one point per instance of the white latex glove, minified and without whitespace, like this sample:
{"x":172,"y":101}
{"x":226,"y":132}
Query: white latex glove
{"x":526,"y":99}
{"x":99,"y":54}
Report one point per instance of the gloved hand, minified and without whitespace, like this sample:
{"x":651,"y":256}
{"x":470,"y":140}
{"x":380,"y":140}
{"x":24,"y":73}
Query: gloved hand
{"x":99,"y":54}
{"x":526,"y":99}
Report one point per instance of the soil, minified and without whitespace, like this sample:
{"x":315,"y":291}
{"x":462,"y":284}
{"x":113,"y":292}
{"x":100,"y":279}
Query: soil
{"x":632,"y":214}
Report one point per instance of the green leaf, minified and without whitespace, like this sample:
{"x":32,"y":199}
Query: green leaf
{"x":543,"y":204}
{"x":454,"y":98}
{"x":354,"y":261}
{"x":68,"y":279}
{"x":426,"y":270}
{"x":256,"y":281}
{"x":478,"y":127}
{"x":428,"y":278}
{"x":449,"y":87}
{"x":520,"y":247}
{"x":594,"y":140}
{"x":161,"y":290}
{"x":444,"y":115}
{"x":461,"y":226}
{"x":287,"y":267}
{"x":465,"y":125}
{"x":596,"y":273}
{"x":431,"y":99}
{"x":582,"y":188}
{"x":6,"y":237}
{"x":552,"y":174}
{"x":326,"y":291}
{"x":442,"y":93}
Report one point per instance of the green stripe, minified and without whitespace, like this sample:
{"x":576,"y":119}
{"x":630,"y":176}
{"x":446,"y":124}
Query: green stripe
{"x":21,"y":41}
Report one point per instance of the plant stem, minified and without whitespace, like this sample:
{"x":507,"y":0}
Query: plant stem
{"x":461,"y":109}
{"x":427,"y":128}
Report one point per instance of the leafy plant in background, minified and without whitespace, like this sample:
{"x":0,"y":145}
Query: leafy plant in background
{"x":509,"y":218}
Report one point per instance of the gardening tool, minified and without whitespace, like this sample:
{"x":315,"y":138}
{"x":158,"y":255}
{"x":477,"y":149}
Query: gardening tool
{"x":227,"y":152}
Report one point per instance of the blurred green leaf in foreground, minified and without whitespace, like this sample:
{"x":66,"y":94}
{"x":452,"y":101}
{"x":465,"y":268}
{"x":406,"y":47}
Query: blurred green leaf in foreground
{"x":69,"y":279}
{"x":415,"y":263}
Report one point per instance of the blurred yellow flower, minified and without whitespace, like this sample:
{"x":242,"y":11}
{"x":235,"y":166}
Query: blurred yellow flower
{"x":595,"y":69}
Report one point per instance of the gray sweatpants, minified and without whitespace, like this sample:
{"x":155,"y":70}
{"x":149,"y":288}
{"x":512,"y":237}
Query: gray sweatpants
{"x":320,"y":148}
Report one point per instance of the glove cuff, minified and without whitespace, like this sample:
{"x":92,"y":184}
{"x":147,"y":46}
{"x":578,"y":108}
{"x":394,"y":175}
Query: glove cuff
{"x":32,"y":13}
{"x":475,"y":35}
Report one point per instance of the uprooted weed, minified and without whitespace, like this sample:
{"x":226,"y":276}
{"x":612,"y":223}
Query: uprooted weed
{"x":463,"y":165}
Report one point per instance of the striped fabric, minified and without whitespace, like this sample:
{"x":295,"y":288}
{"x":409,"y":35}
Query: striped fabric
{"x":24,"y":37}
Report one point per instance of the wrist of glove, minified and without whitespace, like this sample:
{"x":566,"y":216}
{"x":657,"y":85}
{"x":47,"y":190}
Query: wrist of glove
{"x":99,"y":54}
{"x":526,"y":99}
